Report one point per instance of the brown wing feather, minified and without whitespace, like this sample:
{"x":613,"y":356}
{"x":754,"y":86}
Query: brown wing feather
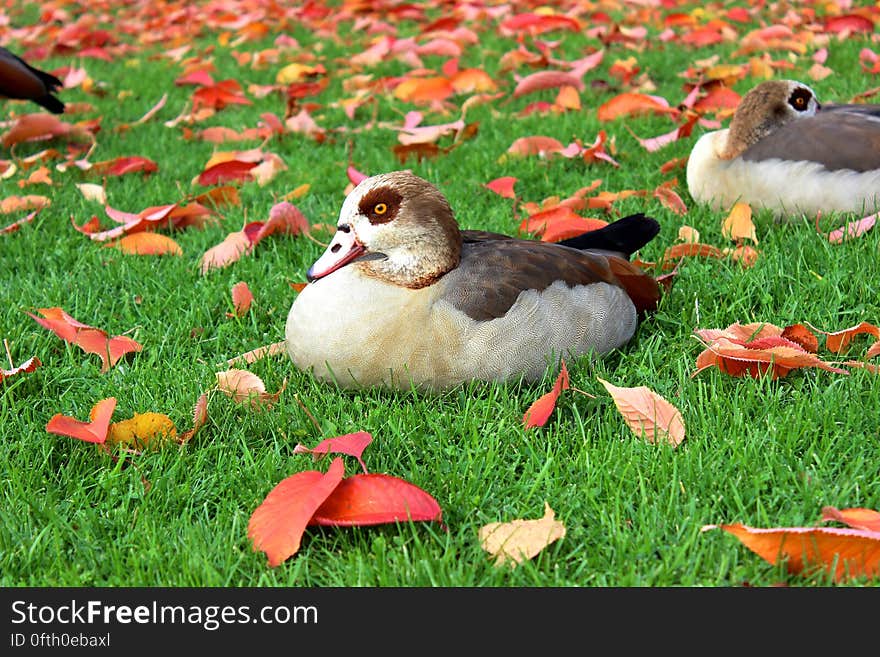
{"x":836,"y":139}
{"x":494,"y":272}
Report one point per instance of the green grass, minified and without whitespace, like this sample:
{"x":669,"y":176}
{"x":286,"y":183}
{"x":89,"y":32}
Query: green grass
{"x":761,"y":452}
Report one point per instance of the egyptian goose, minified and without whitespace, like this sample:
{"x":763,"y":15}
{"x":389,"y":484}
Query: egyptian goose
{"x":20,"y":80}
{"x":402,"y":297}
{"x":786,"y":152}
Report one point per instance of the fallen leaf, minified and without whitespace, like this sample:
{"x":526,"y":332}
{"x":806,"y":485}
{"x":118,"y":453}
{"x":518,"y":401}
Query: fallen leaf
{"x":841,"y":552}
{"x":515,"y":541}
{"x":241,"y":298}
{"x":632,"y":104}
{"x":648,"y":414}
{"x":88,"y":338}
{"x":93,"y":192}
{"x":373,"y":499}
{"x":200,"y":416}
{"x":147,"y":244}
{"x":277,"y":525}
{"x":738,"y":225}
{"x":541,"y":409}
{"x":142,"y":430}
{"x":94,"y":431}
{"x":840,"y":340}
{"x":351,"y":444}
{"x":27,"y":366}
{"x":260,"y":352}
{"x":502,"y":186}
{"x":857,"y":518}
{"x":243,"y":386}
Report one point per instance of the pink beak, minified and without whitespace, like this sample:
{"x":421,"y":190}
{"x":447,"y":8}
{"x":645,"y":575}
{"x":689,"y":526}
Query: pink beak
{"x":343,"y":249}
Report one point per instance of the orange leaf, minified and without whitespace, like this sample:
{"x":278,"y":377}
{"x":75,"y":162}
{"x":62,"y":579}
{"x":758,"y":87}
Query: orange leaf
{"x":277,"y":525}
{"x":632,"y":104}
{"x":424,"y":90}
{"x":738,"y":225}
{"x":670,"y":199}
{"x":88,"y":338}
{"x":647,"y":413}
{"x":803,"y":336}
{"x":840,"y":340}
{"x":849,"y":552}
{"x":241,"y":298}
{"x":92,"y":432}
{"x":373,"y":499}
{"x":142,"y":430}
{"x":518,"y":540}
{"x":541,"y":409}
{"x":857,"y":518}
{"x":776,"y":355}
{"x":691,"y":249}
{"x":148,"y":243}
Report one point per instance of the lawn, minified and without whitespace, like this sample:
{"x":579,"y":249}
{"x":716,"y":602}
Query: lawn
{"x":758,"y":451}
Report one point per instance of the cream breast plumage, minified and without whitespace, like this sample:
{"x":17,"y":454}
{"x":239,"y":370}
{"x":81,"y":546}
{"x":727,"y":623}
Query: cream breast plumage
{"x":787,"y":152}
{"x":402,"y":297}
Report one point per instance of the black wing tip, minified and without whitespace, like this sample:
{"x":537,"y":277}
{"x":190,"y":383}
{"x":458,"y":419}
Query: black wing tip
{"x":51,"y":103}
{"x":626,"y":235}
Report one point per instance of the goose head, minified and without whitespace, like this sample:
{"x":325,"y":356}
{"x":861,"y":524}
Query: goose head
{"x":396,"y":227}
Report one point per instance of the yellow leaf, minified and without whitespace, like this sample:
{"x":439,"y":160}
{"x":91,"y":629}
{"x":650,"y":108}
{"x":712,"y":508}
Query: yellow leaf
{"x":518,"y":540}
{"x":142,"y":430}
{"x":738,"y":225}
{"x":294,"y":73}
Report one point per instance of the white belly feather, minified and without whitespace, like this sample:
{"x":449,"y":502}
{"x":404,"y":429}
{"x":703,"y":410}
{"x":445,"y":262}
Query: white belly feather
{"x":361,"y":331}
{"x":785,"y":187}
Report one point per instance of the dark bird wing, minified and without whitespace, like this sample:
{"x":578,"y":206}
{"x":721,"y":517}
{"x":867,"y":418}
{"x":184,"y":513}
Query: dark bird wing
{"x":20,"y":80}
{"x":495,"y":269}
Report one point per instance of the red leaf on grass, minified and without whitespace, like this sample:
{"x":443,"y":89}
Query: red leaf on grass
{"x":229,"y":171}
{"x":27,"y":366}
{"x":352,"y":444}
{"x":559,"y":223}
{"x":200,"y":416}
{"x":541,"y":409}
{"x":94,"y":431}
{"x":857,"y":518}
{"x":502,"y":186}
{"x":546,"y":80}
{"x":803,"y":336}
{"x":123,"y":165}
{"x":375,"y":499}
{"x":88,"y":338}
{"x":228,"y":251}
{"x":14,"y":226}
{"x":848,"y":23}
{"x":38,"y":127}
{"x":277,"y":525}
{"x":842,"y":552}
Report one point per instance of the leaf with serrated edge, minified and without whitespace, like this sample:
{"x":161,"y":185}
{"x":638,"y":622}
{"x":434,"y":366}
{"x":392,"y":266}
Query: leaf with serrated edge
{"x":647,"y":413}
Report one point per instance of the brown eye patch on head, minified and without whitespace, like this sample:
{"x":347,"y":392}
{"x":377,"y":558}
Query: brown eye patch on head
{"x":800,"y":99}
{"x":380,"y":205}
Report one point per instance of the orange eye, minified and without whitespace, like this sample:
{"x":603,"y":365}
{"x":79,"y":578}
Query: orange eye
{"x":380,"y":208}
